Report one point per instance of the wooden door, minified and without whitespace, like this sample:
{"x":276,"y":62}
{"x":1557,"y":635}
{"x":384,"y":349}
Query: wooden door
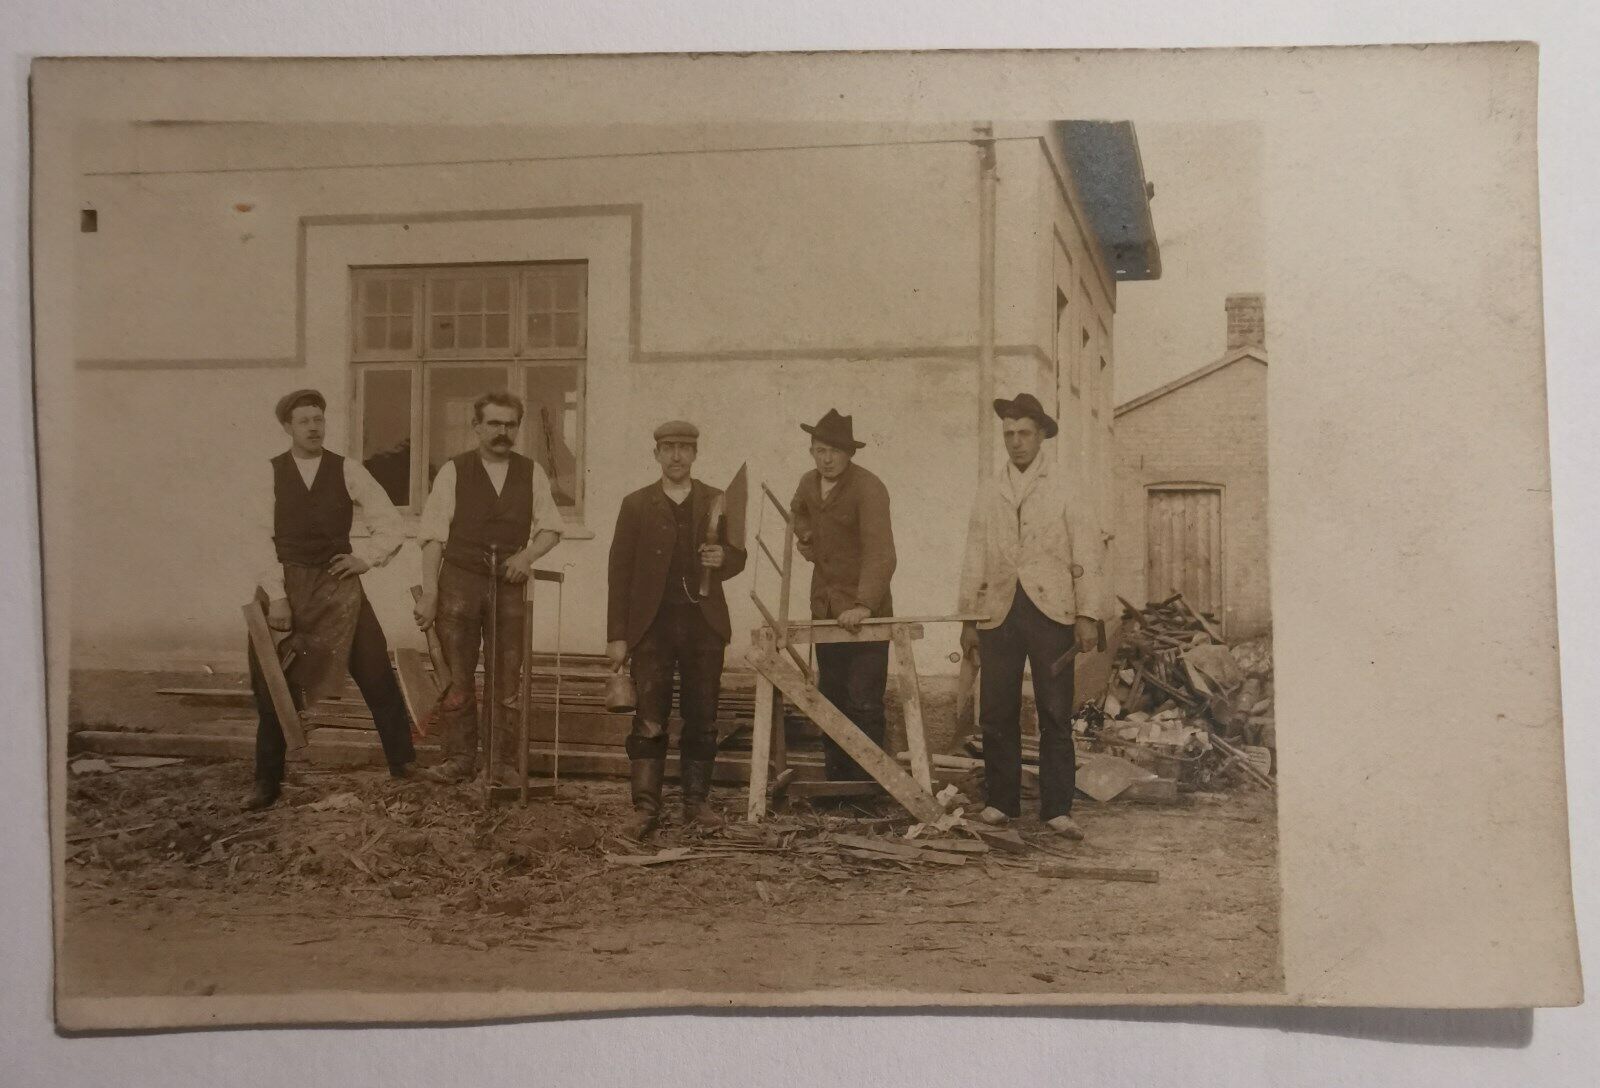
{"x":1184,"y":542}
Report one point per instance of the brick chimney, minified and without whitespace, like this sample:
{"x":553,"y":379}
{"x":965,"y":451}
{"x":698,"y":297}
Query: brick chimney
{"x":1247,"y":322}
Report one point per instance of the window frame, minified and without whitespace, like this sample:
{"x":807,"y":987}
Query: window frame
{"x":421,"y":362}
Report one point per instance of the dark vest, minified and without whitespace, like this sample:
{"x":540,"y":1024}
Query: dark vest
{"x":310,"y":525}
{"x":484,"y":519}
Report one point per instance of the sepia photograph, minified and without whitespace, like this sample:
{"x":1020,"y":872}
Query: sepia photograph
{"x":675,"y":562}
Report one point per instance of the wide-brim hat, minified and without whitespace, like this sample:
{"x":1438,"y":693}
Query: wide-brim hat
{"x":1026,"y":406}
{"x":290,"y":401}
{"x":834,"y":430}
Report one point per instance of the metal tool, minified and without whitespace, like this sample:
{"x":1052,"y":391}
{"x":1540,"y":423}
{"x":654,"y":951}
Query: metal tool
{"x":491,"y":686}
{"x":525,"y":693}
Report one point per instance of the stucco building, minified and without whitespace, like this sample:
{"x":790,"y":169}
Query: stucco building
{"x":748,"y":278}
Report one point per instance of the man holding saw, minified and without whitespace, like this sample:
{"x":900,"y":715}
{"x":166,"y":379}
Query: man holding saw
{"x":671,"y":552}
{"x":489,"y":516}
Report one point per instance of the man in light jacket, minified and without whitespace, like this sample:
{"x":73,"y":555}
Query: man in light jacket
{"x":1019,"y":572}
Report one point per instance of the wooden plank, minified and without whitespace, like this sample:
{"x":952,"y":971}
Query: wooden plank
{"x":834,"y":789}
{"x":761,"y":731}
{"x":801,"y":634}
{"x":1090,"y":872}
{"x":780,"y":739}
{"x":255,"y":621}
{"x":874,"y":760}
{"x":870,"y":621}
{"x":729,"y":769}
{"x":911,"y":705}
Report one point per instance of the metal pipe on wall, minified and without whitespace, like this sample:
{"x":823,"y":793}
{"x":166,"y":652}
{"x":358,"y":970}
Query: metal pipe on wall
{"x":984,"y":142}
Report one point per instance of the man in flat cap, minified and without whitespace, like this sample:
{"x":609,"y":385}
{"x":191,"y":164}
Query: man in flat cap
{"x":1019,"y":572}
{"x":489,"y":516}
{"x":656,"y":613}
{"x":312,"y":588}
{"x":841,"y":524}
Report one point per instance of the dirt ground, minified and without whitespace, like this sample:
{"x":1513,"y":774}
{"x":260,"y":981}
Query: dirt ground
{"x":358,"y":882}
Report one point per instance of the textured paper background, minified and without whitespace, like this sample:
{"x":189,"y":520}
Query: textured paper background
{"x":1106,"y":1046}
{"x":1410,"y":518}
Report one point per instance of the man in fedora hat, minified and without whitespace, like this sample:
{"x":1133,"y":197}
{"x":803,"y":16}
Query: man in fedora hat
{"x":1020,"y":573}
{"x":656,"y":613}
{"x":312,"y":588}
{"x":841,"y":524}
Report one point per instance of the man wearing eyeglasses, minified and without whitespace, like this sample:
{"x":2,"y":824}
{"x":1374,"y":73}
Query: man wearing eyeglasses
{"x":489,"y":516}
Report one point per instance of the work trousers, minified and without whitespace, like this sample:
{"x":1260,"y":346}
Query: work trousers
{"x":463,"y":622}
{"x":852,"y":676}
{"x":1026,"y":635}
{"x":678,"y":641}
{"x":369,"y":666}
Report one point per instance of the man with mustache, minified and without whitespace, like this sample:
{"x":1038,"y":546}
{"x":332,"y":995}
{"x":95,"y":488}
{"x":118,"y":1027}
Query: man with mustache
{"x":487,"y":503}
{"x":312,"y":589}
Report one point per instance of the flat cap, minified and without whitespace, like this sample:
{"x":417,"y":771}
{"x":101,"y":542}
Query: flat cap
{"x":678,"y":428}
{"x":290,"y":401}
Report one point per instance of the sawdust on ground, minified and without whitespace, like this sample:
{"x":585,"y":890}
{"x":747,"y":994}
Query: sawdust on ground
{"x":359,"y":882}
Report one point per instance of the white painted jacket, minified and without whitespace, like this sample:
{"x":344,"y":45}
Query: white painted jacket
{"x":1024,"y":534}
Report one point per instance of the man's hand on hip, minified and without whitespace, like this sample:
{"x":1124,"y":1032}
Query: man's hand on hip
{"x":348,"y":566}
{"x":1086,"y":633}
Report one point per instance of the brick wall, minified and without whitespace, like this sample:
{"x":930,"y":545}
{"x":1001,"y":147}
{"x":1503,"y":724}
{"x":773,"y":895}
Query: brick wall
{"x":1212,"y":431}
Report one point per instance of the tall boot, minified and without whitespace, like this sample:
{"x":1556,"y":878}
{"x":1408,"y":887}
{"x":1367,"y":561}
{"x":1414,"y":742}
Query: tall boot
{"x":646,"y":788}
{"x":696,"y":776}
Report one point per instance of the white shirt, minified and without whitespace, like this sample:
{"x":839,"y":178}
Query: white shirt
{"x":1021,"y":532}
{"x":385,"y":533}
{"x":440,"y":508}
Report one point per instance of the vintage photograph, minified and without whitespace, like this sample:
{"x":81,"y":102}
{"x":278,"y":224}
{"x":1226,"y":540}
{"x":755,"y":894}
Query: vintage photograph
{"x":708,"y":560}
{"x":615,"y":555}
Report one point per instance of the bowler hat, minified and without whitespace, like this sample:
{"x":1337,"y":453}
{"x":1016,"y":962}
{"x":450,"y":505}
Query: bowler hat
{"x":1026,"y":406}
{"x":834,"y":430}
{"x":289,"y":402}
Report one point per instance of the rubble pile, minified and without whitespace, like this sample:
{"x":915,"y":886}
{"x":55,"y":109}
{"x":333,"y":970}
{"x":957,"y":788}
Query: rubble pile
{"x":1183,"y":703}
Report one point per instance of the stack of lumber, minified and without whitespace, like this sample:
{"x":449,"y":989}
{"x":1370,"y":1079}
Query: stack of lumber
{"x":341,"y":733}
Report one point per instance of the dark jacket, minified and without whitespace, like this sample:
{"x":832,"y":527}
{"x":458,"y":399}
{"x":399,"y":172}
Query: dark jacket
{"x":641,"y":558}
{"x":851,"y":542}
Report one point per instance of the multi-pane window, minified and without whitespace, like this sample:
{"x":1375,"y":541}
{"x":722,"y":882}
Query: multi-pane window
{"x":429,"y":341}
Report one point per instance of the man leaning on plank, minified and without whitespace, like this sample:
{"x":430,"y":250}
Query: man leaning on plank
{"x":313,"y":589}
{"x":841,"y":524}
{"x":1019,"y":572}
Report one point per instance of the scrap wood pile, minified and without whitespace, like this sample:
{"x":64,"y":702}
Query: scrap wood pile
{"x":1184,"y":704}
{"x":1182,"y":712}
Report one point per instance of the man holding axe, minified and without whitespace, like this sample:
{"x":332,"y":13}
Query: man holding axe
{"x":677,"y":540}
{"x":489,"y":516}
{"x":1020,"y":573}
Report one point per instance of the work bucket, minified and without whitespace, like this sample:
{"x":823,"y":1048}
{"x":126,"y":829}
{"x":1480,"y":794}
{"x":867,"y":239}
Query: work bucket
{"x":620,"y":694}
